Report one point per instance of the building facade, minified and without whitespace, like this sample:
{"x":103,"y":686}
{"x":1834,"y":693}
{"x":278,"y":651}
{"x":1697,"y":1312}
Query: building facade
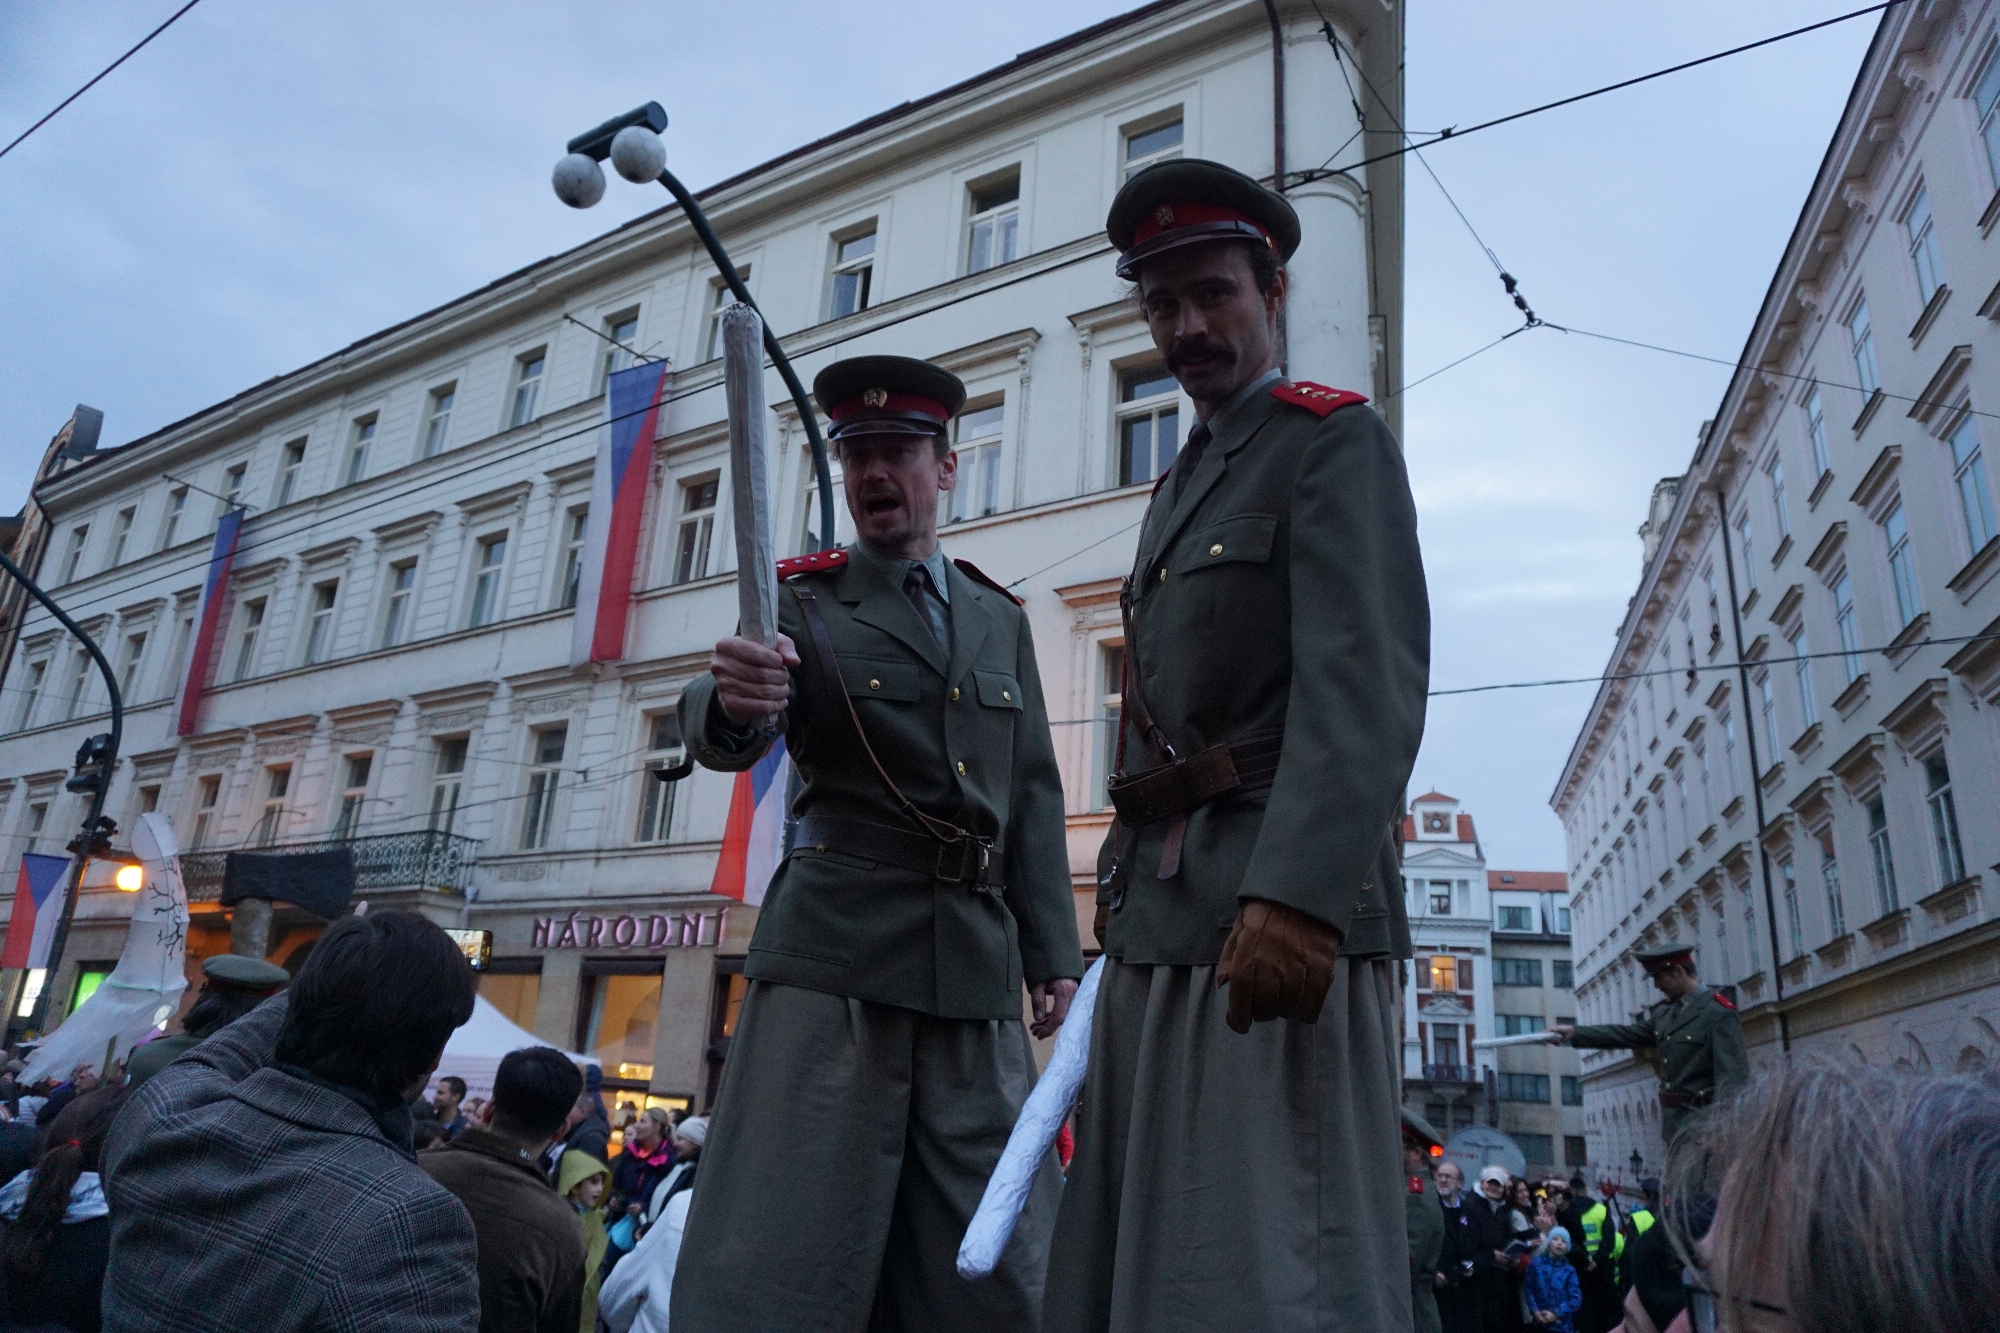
{"x":1794,"y":769}
{"x":393,"y":670}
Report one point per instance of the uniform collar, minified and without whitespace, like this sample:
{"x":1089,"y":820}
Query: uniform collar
{"x":896,"y":568}
{"x":1223,"y":417}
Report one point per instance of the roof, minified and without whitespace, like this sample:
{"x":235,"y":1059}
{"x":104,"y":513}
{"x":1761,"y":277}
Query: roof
{"x":1433,"y":797}
{"x":1465,"y":833}
{"x":1528,"y":881}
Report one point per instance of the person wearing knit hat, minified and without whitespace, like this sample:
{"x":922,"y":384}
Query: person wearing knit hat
{"x":1552,"y":1293}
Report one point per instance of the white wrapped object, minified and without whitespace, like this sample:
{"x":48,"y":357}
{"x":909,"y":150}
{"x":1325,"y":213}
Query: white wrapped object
{"x":1034,"y":1133}
{"x":145,"y":988}
{"x":1524,"y":1039}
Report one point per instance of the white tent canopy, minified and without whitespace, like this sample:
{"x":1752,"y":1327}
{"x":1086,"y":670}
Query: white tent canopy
{"x":475,"y":1050}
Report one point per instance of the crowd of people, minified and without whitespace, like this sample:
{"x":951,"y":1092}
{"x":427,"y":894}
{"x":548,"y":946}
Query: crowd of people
{"x":1518,"y":1255}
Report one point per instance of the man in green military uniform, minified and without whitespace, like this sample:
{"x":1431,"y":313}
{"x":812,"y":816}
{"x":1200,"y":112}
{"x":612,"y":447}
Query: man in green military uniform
{"x":1425,"y":1219}
{"x":880,"y":1060}
{"x":1277,"y":644}
{"x":1694,"y":1033}
{"x":233,"y":986}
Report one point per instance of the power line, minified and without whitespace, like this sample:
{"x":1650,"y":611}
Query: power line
{"x":93,"y":83}
{"x":1462,"y":360}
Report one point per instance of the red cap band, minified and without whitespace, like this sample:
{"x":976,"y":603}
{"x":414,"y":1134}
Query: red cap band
{"x":1169,"y":216}
{"x":882,"y":400}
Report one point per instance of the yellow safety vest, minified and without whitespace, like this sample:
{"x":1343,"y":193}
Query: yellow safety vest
{"x":1642,"y":1221}
{"x":1593,"y":1231}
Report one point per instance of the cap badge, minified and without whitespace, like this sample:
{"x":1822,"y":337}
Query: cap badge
{"x":875,"y":397}
{"x":1164,"y":215}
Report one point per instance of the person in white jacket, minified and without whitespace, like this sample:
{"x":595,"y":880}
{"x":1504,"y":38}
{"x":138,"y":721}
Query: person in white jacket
{"x":635,"y":1298}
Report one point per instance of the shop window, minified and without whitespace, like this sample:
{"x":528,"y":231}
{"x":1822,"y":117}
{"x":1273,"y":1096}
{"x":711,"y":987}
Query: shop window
{"x":514,"y":987}
{"x":619,"y":1018}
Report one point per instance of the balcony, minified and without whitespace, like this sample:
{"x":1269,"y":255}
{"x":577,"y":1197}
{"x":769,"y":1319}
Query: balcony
{"x":1452,"y":1074}
{"x":430,"y":859}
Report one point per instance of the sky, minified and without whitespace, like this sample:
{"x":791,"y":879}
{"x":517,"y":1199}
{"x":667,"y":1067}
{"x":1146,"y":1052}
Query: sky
{"x":264,"y":184}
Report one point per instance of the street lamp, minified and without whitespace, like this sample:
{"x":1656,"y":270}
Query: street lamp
{"x":632,"y":142}
{"x":1638,"y":1165}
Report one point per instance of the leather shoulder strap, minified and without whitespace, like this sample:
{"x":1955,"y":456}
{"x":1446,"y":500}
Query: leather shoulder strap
{"x":978,"y":575}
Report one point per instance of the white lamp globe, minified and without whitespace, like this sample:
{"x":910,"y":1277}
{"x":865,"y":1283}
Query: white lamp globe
{"x":638,"y":154}
{"x":579,"y":181}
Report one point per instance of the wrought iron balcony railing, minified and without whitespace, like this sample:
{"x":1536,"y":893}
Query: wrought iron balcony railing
{"x":1451,"y":1074}
{"x":427,"y":859}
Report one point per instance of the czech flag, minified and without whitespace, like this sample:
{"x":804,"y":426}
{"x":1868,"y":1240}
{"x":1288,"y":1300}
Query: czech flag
{"x":753,"y":841}
{"x":207,"y":623}
{"x":37,"y":905}
{"x":617,"y":504}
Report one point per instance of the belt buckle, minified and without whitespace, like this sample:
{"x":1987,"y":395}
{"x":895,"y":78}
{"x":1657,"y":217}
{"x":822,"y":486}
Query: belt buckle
{"x":945,"y":850}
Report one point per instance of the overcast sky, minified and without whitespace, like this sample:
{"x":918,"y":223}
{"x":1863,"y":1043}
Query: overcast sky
{"x":266,"y":183}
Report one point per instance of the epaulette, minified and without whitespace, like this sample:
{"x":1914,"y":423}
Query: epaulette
{"x":1723,"y":1000}
{"x":1416,"y":1184}
{"x":1315,"y":398}
{"x":977,"y":575}
{"x":813,"y":563}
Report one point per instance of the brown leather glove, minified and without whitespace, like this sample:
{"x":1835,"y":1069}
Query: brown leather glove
{"x":1100,"y":922}
{"x":1277,"y":963}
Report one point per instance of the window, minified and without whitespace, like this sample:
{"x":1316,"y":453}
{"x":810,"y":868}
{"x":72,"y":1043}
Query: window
{"x":538,"y":812}
{"x":447,"y":774}
{"x":149,"y":799}
{"x":1444,"y":1044}
{"x":79,"y":683}
{"x":1518,"y":1025}
{"x":1816,"y":432}
{"x":1525,"y":1088}
{"x":1516,"y":918}
{"x":527,"y":387}
{"x":1767,"y":705}
{"x":121,"y":532}
{"x":128,"y":671}
{"x":1793,"y":928}
{"x":656,"y":798}
{"x":1843,"y":619}
{"x":1728,"y":725}
{"x":1902,"y":565}
{"x":1517,"y":971}
{"x":1572,"y":1090}
{"x":177,"y":659}
{"x":573,"y":533}
{"x":1749,"y":549}
{"x":621,"y":1014}
{"x":38,"y":818}
{"x":1687,"y":633}
{"x":31,"y":694}
{"x":995,"y":229}
{"x":358,"y":446}
{"x":232,"y":489}
{"x":1944,"y":819}
{"x":177,"y":500}
{"x":396,"y":611}
{"x":319,"y":625}
{"x":290,"y":462}
{"x":1444,"y":973}
{"x":1562,"y":913}
{"x":1922,"y":240}
{"x":1149,"y":419}
{"x":843,"y":522}
{"x":696,"y":529}
{"x":853,"y":274}
{"x":977,"y":491}
{"x":1882,"y":856}
{"x":1801,"y":651}
{"x":1975,"y":493}
{"x":1749,"y":927}
{"x":73,"y":554}
{"x":206,"y":792}
{"x":1110,"y":706}
{"x":1565,"y":973}
{"x":246,"y":639}
{"x":1829,"y":878}
{"x":1576,"y":1151}
{"x":621,"y":331}
{"x":1145,"y":147}
{"x":490,"y":562}
{"x":1776,"y":472}
{"x":1440,"y":897}
{"x":270,"y":824}
{"x":1861,"y":342}
{"x":720,"y":298}
{"x":437,"y":419}
{"x":353,"y":795}
{"x":1722,"y":938}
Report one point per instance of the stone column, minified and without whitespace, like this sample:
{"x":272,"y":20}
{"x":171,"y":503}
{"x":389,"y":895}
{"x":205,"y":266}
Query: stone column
{"x":555,"y":1007}
{"x":680,"y":1041}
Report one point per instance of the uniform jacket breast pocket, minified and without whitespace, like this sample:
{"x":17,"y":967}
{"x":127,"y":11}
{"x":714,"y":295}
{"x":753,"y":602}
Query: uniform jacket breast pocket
{"x":997,"y":689}
{"x":892,"y":682}
{"x":1243,"y":539}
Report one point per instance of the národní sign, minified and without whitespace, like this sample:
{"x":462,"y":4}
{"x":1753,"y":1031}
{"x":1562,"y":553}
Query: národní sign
{"x":647,"y":931}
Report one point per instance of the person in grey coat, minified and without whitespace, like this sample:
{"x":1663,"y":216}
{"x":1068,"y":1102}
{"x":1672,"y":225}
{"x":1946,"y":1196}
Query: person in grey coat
{"x":265,"y":1180}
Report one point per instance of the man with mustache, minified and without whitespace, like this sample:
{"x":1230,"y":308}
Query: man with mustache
{"x":879,"y":1060}
{"x":1277,"y":639}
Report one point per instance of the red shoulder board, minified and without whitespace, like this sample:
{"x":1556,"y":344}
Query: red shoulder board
{"x":1416,"y":1184}
{"x":977,"y":575}
{"x":807,"y":564}
{"x":1315,"y":398}
{"x":1723,"y":1000}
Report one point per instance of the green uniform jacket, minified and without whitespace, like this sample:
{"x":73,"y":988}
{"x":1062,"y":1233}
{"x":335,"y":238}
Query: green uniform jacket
{"x":1699,"y":1040}
{"x":967,"y":740}
{"x":1426,"y":1226}
{"x":1284,"y":592}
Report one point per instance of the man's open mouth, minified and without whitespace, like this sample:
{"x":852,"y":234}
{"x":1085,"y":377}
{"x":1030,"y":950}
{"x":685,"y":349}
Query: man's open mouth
{"x":881,"y":504}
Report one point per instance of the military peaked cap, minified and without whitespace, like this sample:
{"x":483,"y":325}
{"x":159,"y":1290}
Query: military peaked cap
{"x":237,"y":972}
{"x":1418,"y":1130}
{"x":897,"y":395}
{"x":1190,"y":201}
{"x":1678,"y":955}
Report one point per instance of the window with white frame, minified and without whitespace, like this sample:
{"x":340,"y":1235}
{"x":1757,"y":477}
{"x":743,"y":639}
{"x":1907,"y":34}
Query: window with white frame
{"x":447,"y":778}
{"x":128,"y":668}
{"x":1687,"y":634}
{"x":1944,"y":818}
{"x":1861,"y":344}
{"x":993,"y":231}
{"x":79,"y":683}
{"x":1749,"y":549}
{"x":177,"y":659}
{"x":1975,"y":492}
{"x":271,"y":823}
{"x":1149,"y":423}
{"x":319,"y":621}
{"x":1816,"y":432}
{"x":853,"y":273}
{"x":73,"y":553}
{"x":1794,"y":928}
{"x":1722,"y":939}
{"x":843,"y":522}
{"x":31,"y":694}
{"x":1158,"y":141}
{"x":720,"y":298}
{"x":489,"y":567}
{"x":1829,"y":878}
{"x":121,"y":532}
{"x":1920,"y":235}
{"x":1749,"y":926}
{"x":1728,"y":725}
{"x":207,"y":791}
{"x":1986,"y":106}
{"x":170,"y":522}
{"x":1776,"y":472}
{"x":1110,"y":711}
{"x":1802,"y":667}
{"x":977,"y":434}
{"x":1767,"y":705}
{"x":694,"y":531}
{"x":249,"y":628}
{"x":1843,"y":620}
{"x":1882,"y":856}
{"x":575,"y":525}
{"x":399,"y":602}
{"x":361,"y":441}
{"x":291,"y":463}
{"x":437,"y":419}
{"x":353,"y":795}
{"x":1902,"y":565}
{"x":620,"y":333}
{"x":232,"y":489}
{"x":528,"y":370}
{"x":656,"y":797}
{"x":38,"y":819}
{"x":538,"y":813}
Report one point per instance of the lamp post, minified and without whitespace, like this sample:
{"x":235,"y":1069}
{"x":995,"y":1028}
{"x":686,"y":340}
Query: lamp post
{"x":632,"y":142}
{"x":1638,"y":1167}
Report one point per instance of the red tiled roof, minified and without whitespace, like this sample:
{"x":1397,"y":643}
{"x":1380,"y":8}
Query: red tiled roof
{"x":1529,"y":881}
{"x":1409,"y":828}
{"x":1465,"y":829}
{"x":1434,"y":796}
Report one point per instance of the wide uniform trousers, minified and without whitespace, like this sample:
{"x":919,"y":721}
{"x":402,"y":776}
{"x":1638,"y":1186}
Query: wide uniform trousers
{"x":1234,"y":1184}
{"x":849,"y":1146}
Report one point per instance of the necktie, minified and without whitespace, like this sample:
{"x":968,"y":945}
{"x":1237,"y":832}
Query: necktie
{"x":1190,"y":458}
{"x":917,"y":587}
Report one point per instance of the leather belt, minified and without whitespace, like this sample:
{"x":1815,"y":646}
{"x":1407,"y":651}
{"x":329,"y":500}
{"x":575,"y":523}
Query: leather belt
{"x":1177,"y":789}
{"x":971,"y":862}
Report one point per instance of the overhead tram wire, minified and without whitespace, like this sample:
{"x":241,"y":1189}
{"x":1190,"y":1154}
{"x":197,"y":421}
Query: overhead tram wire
{"x":100,"y":75}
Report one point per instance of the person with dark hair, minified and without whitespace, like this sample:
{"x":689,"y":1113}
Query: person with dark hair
{"x":266,"y":1180}
{"x":448,"y":1102}
{"x":531,"y":1251}
{"x":57,"y":1227}
{"x":233,"y":985}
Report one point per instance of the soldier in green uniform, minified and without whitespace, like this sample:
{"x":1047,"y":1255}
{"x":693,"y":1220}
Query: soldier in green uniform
{"x":1694,"y":1035}
{"x":233,"y":986}
{"x":1425,"y":1218}
{"x":1277,"y":644}
{"x":880,"y":1059}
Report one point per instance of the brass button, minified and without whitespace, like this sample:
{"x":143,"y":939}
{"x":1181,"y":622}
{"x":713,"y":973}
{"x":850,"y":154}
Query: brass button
{"x":961,"y":768}
{"x":874,"y":684}
{"x":1215,"y":549}
{"x":954,"y":694}
{"x":1006,"y":696}
{"x":1163,"y":576}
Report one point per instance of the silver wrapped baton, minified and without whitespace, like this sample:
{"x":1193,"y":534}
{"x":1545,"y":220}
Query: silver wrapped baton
{"x":749,"y":480}
{"x":1525,"y":1039}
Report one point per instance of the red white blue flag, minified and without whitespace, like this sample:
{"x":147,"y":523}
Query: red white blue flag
{"x":37,"y":904}
{"x":617,"y":504}
{"x":753,"y":841}
{"x":207,"y":623}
